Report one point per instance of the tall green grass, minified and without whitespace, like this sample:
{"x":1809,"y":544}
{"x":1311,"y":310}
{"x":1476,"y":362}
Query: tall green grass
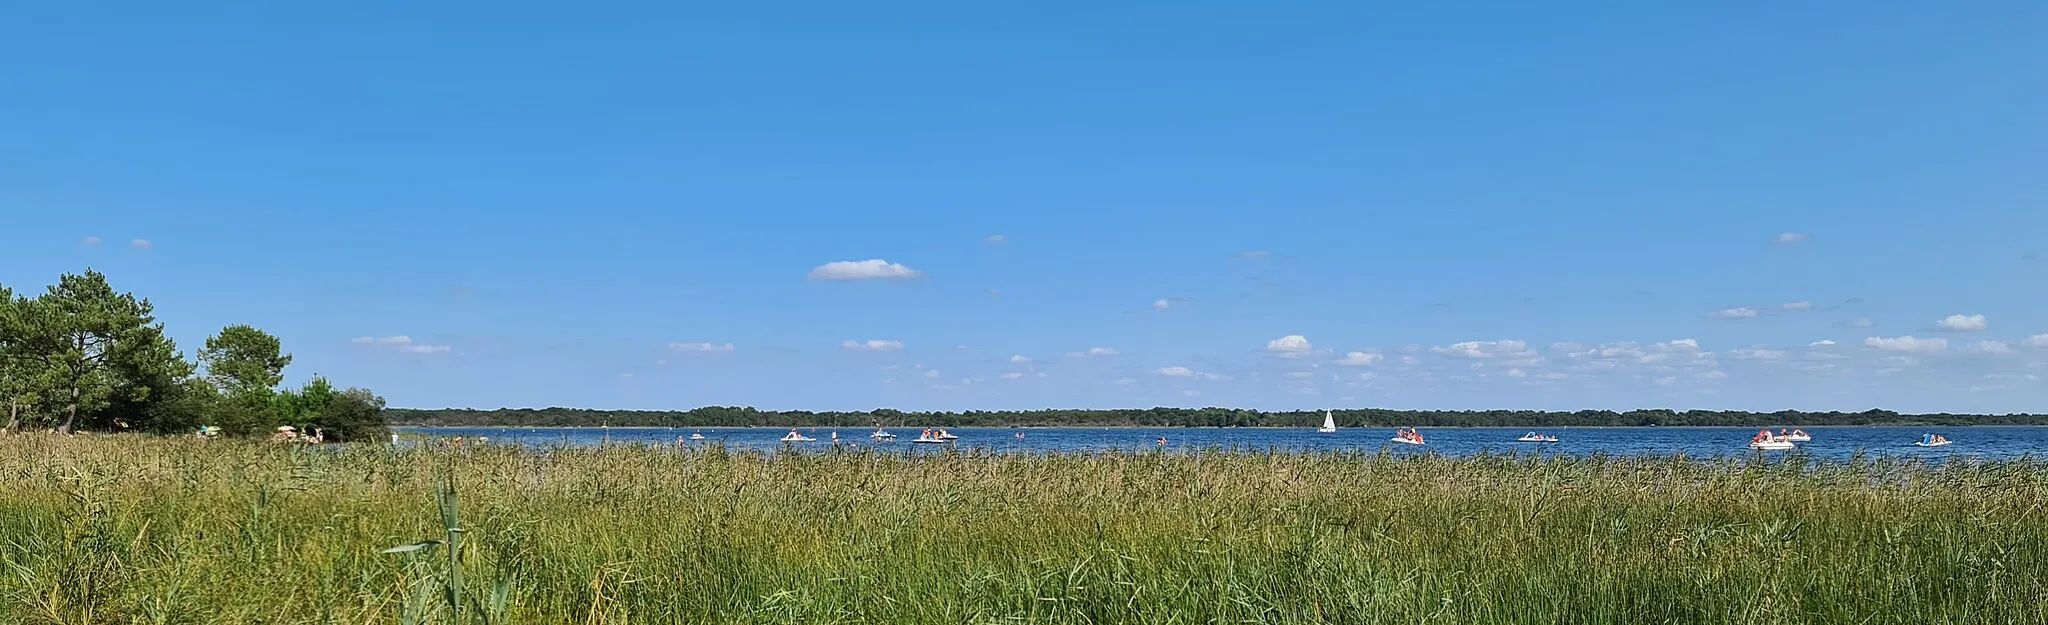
{"x":141,"y":530}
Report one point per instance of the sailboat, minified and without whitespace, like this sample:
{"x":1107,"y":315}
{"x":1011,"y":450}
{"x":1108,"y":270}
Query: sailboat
{"x":1329,"y":423}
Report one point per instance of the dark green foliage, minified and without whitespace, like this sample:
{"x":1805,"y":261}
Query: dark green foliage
{"x":85,"y":356}
{"x":723,"y":416}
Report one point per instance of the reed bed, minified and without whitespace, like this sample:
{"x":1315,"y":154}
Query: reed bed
{"x":149,"y":530}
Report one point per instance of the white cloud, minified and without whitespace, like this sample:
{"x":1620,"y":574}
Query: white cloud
{"x":1821,"y":343}
{"x":1368,"y":376}
{"x":1486,"y":349}
{"x":1212,"y":376}
{"x":1758,"y":353}
{"x":1410,"y":361}
{"x":1290,"y":345}
{"x":1517,"y":373}
{"x":423,"y":349}
{"x":1177,"y":372}
{"x":871,"y":269}
{"x":2038,"y":340}
{"x":931,"y":373}
{"x":1012,"y":375}
{"x":1554,"y":375}
{"x":1094,"y":352}
{"x":383,"y":340}
{"x":1124,"y":381}
{"x":1961,"y":323}
{"x":1019,"y":359}
{"x":1992,"y":348}
{"x":1678,"y":346}
{"x":1788,"y":238}
{"x":872,"y":345}
{"x":1667,"y":380}
{"x":1739,"y":312}
{"x":1907,"y":344}
{"x":140,"y":244}
{"x":1359,"y":359}
{"x":1253,"y":255}
{"x":92,"y":240}
{"x":1161,"y":304}
{"x":1801,"y":306}
{"x":996,"y":239}
{"x":1714,"y":375}
{"x":701,"y":348}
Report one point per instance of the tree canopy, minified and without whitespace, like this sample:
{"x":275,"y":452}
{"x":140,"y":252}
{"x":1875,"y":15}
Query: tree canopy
{"x":86,"y":356}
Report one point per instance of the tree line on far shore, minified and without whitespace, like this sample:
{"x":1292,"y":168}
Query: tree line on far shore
{"x":83,"y":356}
{"x":724,"y":416}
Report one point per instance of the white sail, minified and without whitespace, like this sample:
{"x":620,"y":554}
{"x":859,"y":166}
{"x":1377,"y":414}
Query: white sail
{"x":1329,"y":422}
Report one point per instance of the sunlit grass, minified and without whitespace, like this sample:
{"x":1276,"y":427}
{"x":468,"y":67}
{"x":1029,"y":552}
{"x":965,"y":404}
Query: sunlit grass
{"x":140,"y":530}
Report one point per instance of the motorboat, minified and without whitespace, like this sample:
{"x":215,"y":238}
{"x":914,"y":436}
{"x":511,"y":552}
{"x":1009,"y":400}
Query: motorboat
{"x":1797,"y":436}
{"x":1533,"y":437}
{"x":882,"y":435}
{"x":1329,"y":423}
{"x":794,"y":437}
{"x":1932,"y":440}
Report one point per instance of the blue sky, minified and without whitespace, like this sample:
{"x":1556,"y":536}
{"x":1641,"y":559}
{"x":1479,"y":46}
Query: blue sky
{"x":585,"y":206}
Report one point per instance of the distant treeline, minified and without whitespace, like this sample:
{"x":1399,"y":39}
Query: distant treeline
{"x":722,"y":416}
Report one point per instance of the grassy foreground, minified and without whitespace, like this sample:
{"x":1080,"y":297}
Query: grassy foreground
{"x":140,"y":530}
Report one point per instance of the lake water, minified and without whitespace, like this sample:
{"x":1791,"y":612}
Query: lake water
{"x":1828,"y":442}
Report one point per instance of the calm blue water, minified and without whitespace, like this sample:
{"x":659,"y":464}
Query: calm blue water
{"x":1828,"y":442}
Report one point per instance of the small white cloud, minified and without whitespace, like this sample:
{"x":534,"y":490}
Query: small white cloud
{"x":1758,"y":353}
{"x":1907,"y":344}
{"x":1019,"y":359}
{"x":1290,"y":345}
{"x":1213,"y":376}
{"x":996,"y":239}
{"x":872,"y":345}
{"x":1177,"y":372}
{"x":1410,"y":361}
{"x":1123,"y":381}
{"x":2038,"y":340}
{"x":1961,"y":323}
{"x":1667,"y":380}
{"x":1192,"y":393}
{"x":1252,"y":255}
{"x":1161,"y":304}
{"x":1739,"y":312}
{"x":1517,"y":373}
{"x":1368,"y":376}
{"x":1788,"y":238}
{"x":1798,"y":306}
{"x":140,"y":244}
{"x":92,"y":241}
{"x":1359,"y":359}
{"x":1094,"y":352}
{"x":1678,"y":346}
{"x":1485,"y":349}
{"x":1992,"y":348}
{"x":931,"y":373}
{"x":701,"y":348}
{"x":871,"y":269}
{"x":1714,"y":375}
{"x":1554,"y":375}
{"x":1012,"y":375}
{"x":423,"y":349}
{"x":1821,"y":343}
{"x":382,"y":340}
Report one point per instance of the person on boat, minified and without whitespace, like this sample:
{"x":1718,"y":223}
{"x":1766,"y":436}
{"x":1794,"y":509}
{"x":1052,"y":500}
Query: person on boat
{"x":1761,"y":436}
{"x":1162,"y":441}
